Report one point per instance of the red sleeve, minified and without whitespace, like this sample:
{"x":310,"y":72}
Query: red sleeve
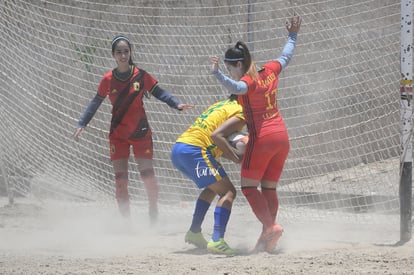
{"x":149,"y":82}
{"x":251,"y":85}
{"x":275,"y":66}
{"x":105,"y":84}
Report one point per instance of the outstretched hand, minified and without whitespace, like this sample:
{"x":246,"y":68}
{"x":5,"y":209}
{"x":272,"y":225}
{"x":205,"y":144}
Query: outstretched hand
{"x":184,"y":106}
{"x":293,"y":23}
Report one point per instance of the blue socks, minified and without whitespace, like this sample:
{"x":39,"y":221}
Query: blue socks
{"x":221,"y":218}
{"x":199,"y":214}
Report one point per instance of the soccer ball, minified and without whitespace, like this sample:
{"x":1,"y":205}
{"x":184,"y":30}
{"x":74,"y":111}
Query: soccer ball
{"x":238,"y":140}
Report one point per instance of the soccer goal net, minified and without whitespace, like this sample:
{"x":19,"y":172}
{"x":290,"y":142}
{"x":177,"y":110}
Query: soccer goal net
{"x":339,"y":96}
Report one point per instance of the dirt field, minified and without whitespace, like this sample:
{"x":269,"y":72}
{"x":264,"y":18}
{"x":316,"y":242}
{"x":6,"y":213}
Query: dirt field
{"x":39,"y":238}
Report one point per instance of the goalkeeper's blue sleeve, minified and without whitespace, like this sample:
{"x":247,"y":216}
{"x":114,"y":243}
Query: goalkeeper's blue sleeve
{"x":165,"y":96}
{"x":90,"y":111}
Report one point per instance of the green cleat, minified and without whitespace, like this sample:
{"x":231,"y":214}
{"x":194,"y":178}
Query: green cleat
{"x":220,"y":247}
{"x":196,"y":239}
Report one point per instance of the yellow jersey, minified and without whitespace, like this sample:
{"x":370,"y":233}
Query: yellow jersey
{"x":199,"y":133}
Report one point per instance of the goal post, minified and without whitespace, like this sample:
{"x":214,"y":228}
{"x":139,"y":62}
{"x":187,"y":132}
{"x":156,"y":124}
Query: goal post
{"x":8,"y":190}
{"x":338,"y":97}
{"x":406,"y":86}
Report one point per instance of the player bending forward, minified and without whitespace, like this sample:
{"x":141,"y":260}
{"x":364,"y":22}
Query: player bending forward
{"x":195,"y":154}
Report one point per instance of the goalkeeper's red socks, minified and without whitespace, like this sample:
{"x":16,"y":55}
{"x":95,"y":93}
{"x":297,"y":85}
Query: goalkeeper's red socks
{"x":121,"y":193}
{"x":259,"y":205}
{"x":272,"y":201}
{"x":151,"y":186}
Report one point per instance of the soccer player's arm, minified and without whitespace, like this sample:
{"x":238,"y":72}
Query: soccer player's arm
{"x":233,"y":86}
{"x":288,"y":49}
{"x":219,"y":137}
{"x":103,"y":91}
{"x":90,"y":110}
{"x":165,"y":96}
{"x":88,"y":115}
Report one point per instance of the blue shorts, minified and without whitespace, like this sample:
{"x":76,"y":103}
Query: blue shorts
{"x":197,"y":163}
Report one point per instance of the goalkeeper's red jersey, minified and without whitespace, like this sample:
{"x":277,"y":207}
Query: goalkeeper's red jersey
{"x":260,"y":102}
{"x":112,"y":87}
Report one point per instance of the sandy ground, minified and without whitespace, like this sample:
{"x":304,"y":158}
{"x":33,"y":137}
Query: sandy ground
{"x":58,"y":238}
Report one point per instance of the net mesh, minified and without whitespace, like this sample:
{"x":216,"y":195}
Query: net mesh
{"x":339,"y":95}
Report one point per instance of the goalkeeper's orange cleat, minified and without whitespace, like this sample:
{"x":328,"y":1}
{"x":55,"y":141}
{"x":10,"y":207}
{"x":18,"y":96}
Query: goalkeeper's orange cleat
{"x":271,"y":236}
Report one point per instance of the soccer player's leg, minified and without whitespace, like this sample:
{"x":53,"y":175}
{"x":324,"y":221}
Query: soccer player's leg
{"x":143,"y":153}
{"x":119,"y":152}
{"x":188,"y":159}
{"x":225,"y":189}
{"x":269,"y":182}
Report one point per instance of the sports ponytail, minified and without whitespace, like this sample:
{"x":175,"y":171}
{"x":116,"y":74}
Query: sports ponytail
{"x":240,"y":53}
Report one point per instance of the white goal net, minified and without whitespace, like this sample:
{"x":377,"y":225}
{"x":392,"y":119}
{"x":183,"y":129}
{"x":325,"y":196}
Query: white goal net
{"x":339,"y":96}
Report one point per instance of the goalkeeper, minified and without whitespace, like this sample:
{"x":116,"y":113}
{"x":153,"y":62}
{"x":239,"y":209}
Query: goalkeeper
{"x":126,"y":85}
{"x":195,"y":154}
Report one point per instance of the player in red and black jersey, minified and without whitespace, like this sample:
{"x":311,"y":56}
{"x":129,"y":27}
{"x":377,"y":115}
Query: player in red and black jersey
{"x":268,"y":144}
{"x":126,"y":86}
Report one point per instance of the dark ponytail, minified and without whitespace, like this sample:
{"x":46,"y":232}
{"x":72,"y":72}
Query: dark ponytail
{"x":233,"y":97}
{"x":240,"y":53}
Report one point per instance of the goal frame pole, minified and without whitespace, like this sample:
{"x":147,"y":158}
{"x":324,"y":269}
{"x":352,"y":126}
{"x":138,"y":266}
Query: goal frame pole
{"x":406,"y":86}
{"x":10,"y":193}
{"x":3,"y":170}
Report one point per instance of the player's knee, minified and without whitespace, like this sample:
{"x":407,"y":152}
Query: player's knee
{"x":121,"y":175}
{"x":233,"y":192}
{"x":229,"y":194}
{"x":148,"y":172}
{"x":249,"y":190}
